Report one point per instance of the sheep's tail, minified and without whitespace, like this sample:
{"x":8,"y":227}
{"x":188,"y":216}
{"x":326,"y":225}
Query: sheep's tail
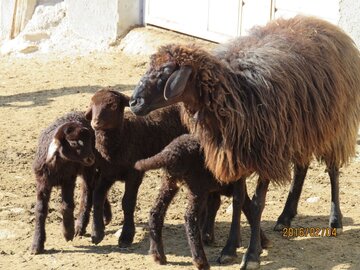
{"x":157,"y":161}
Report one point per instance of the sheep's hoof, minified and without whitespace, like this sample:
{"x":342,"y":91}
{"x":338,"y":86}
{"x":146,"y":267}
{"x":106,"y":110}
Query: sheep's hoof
{"x":226,"y":258}
{"x":107,"y":220}
{"x":97,"y":237}
{"x":279,"y":227}
{"x":338,"y":231}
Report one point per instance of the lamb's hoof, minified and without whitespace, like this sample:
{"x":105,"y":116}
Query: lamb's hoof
{"x":266,"y":243}
{"x":160,"y":259}
{"x":202,"y":265}
{"x":225,"y":259}
{"x":107,"y":220}
{"x":36,"y":249}
{"x":124,"y":244}
{"x":79,"y":231}
{"x":249,"y":265}
{"x":69,"y":234}
{"x":97,"y":237}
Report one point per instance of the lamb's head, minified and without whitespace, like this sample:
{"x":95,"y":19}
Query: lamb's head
{"x":170,"y":79}
{"x":106,"y":110}
{"x":72,"y":142}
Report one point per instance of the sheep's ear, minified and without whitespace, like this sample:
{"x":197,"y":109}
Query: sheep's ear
{"x":53,"y":149}
{"x":176,"y":83}
{"x":88,"y":114}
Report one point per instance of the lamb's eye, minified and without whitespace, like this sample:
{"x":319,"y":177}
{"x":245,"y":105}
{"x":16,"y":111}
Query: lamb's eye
{"x":168,"y":70}
{"x":73,"y":143}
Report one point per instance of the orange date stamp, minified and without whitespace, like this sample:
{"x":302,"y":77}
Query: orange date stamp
{"x":309,"y":232}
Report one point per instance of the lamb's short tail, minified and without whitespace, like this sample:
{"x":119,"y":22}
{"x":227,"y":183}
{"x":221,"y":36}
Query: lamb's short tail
{"x":157,"y":161}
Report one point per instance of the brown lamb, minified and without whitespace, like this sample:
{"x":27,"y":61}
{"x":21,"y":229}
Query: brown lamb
{"x":121,"y":141}
{"x":183,"y":161}
{"x":285,"y":93}
{"x":65,"y":151}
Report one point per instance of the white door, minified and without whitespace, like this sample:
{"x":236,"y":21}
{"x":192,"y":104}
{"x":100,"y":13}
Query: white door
{"x":215,"y":20}
{"x":219,"y":20}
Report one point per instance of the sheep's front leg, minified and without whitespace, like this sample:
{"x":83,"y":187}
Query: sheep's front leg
{"x":99,"y":196}
{"x":67,"y":208}
{"x":251,"y":259}
{"x":132,"y":184}
{"x":41,"y":210}
{"x":290,"y":208}
{"x":213,"y":205}
{"x":234,"y":239}
{"x":192,"y":216}
{"x":167,"y":192}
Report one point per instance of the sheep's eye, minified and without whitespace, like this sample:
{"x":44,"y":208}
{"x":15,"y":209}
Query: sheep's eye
{"x":80,"y":142}
{"x":169,"y":69}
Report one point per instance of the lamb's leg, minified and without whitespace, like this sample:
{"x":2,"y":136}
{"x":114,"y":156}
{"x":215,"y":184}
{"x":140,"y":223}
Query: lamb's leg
{"x":67,"y":208}
{"x":335,"y":220}
{"x":290,"y":209}
{"x":85,"y":207}
{"x":251,"y":259}
{"x":234,"y":239}
{"x":167,"y":192}
{"x":213,"y":204}
{"x":90,"y":177}
{"x":192,"y":216}
{"x":132,"y":184}
{"x":107,"y":211}
{"x":99,"y":196}
{"x":41,"y":210}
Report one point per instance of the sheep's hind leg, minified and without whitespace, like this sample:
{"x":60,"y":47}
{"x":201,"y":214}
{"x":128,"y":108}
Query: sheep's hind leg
{"x":41,"y":212}
{"x":251,"y":259}
{"x":213,"y":204}
{"x":132,"y":184}
{"x":335,"y":220}
{"x":290,"y":208}
{"x":67,"y":209}
{"x":192,"y":216}
{"x":167,"y":192}
{"x":228,"y":253}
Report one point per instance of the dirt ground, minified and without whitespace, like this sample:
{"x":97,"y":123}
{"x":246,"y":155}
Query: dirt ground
{"x":33,"y":92}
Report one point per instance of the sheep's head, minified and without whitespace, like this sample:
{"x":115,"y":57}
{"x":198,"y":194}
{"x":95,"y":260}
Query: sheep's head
{"x":168,"y":80}
{"x":72,"y":142}
{"x":106,"y":110}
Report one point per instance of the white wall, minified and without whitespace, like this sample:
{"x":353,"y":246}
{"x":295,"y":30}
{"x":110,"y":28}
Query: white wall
{"x":350,"y":18}
{"x":103,"y":20}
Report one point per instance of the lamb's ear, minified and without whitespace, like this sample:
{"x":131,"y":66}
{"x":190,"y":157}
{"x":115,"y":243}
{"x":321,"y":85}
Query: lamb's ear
{"x":177,"y":81}
{"x":55,"y":144}
{"x":88,"y":114}
{"x":53,"y":149}
{"x":126,"y":100}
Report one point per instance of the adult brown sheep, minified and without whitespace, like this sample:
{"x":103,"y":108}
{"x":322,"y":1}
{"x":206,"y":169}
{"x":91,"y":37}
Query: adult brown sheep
{"x":287,"y":91}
